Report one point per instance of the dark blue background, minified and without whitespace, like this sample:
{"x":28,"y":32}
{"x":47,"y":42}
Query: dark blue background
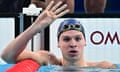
{"x":113,"y":6}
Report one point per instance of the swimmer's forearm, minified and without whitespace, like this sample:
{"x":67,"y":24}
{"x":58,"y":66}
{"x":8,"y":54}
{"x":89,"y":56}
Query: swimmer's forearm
{"x":25,"y":55}
{"x":44,"y":19}
{"x":18,"y":45}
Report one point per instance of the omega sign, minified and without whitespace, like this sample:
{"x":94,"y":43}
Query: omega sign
{"x":104,"y":38}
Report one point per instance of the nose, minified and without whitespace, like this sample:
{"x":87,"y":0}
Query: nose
{"x":73,"y":44}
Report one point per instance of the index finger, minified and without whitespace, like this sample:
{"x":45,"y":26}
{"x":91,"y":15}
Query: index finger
{"x":50,"y":5}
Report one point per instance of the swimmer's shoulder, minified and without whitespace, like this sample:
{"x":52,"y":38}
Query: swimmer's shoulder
{"x":102,"y":64}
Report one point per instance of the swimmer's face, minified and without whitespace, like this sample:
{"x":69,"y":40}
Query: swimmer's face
{"x":71,"y":44}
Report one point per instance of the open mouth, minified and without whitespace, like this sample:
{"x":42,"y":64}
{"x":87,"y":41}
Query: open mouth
{"x":73,"y":52}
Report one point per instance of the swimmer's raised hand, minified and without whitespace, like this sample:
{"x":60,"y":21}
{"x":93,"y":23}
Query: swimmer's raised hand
{"x":50,"y":14}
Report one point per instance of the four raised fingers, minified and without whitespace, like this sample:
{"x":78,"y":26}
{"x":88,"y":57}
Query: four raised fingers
{"x":61,"y":9}
{"x":57,"y":10}
{"x":56,"y":6}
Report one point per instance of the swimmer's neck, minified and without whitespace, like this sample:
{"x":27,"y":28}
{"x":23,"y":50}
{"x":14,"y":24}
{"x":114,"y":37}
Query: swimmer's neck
{"x":80,"y":63}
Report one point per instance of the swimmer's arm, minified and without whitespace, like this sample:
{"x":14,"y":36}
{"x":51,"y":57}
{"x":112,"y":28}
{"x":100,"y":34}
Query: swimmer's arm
{"x":106,"y":65}
{"x":42,"y":57}
{"x":26,"y":54}
{"x":17,"y":45}
{"x":11,"y":52}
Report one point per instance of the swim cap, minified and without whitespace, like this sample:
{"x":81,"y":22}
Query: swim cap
{"x":70,"y":24}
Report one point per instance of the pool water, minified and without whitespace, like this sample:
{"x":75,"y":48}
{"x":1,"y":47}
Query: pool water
{"x":56,"y":68}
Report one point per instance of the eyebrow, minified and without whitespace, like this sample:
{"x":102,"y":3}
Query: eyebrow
{"x":72,"y":36}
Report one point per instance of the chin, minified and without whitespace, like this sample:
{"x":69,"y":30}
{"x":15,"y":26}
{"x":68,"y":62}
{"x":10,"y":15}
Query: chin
{"x":73,"y":59}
